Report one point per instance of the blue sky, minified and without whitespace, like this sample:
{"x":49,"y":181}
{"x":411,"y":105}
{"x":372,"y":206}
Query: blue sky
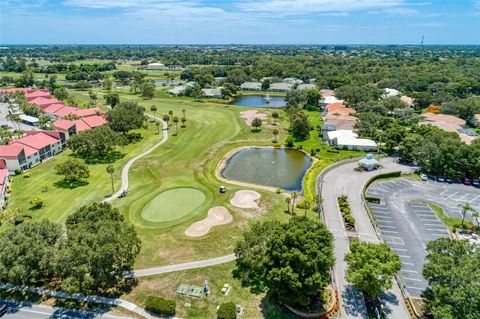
{"x":239,"y":21}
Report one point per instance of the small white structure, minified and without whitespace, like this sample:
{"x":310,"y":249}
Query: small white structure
{"x":281,"y":87}
{"x":213,"y":93}
{"x":155,"y":66}
{"x":292,"y":81}
{"x":28,"y":119}
{"x":178,"y":90}
{"x":347,"y":139}
{"x":389,"y":93}
{"x":369,"y":163}
{"x":306,"y":86}
{"x":251,"y":86}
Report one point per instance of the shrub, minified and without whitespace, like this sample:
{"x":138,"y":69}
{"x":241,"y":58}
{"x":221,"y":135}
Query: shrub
{"x":37,"y":202}
{"x":160,"y":306}
{"x":26,"y":175}
{"x":278,"y":191}
{"x":227,"y":310}
{"x":289,"y":142}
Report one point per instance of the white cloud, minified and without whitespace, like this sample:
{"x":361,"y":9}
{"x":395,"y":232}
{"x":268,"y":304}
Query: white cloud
{"x":294,"y":7}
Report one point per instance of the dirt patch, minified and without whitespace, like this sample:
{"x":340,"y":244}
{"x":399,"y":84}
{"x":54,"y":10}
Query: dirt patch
{"x":216,"y":216}
{"x":249,"y":115}
{"x":246,"y":199}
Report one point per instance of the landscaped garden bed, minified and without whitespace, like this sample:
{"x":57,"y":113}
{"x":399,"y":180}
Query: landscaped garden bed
{"x":348,"y":219}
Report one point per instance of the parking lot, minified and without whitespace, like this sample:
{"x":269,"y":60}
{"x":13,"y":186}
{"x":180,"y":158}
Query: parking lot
{"x":6,"y":122}
{"x":407,"y":224}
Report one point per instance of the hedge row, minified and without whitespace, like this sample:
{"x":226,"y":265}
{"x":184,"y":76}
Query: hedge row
{"x":160,"y":306}
{"x":348,"y":219}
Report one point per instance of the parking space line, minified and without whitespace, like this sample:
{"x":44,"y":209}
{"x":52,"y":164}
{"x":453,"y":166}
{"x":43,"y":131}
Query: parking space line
{"x":412,"y":279}
{"x":416,"y":288}
{"x":435,"y":224}
{"x":401,"y":249}
{"x":404,"y":256}
{"x":386,"y":226}
{"x":408,"y":264}
{"x":427,"y":219}
{"x":389,"y":231}
{"x":384,"y":221}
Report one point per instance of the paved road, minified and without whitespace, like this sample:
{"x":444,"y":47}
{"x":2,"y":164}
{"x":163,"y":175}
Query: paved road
{"x":85,"y":298}
{"x":343,"y":180}
{"x":126,"y":168}
{"x":184,"y":266}
{"x":23,"y":310}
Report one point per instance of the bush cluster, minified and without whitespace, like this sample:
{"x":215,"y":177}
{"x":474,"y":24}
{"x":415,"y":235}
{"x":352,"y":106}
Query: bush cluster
{"x":346,"y":214}
{"x":227,"y":310}
{"x":160,"y":306}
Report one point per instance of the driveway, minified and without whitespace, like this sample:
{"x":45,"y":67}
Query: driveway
{"x":343,"y":180}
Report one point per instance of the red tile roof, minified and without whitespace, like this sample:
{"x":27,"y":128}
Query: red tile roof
{"x":64,"y":111}
{"x":81,"y":125}
{"x":94,"y":121}
{"x":26,"y":90}
{"x":87,"y":112}
{"x":3,"y":164}
{"x":33,"y":95}
{"x":27,"y":149}
{"x":63,"y":124}
{"x":53,"y":108}
{"x":37,"y":141}
{"x":44,"y":102}
{"x":10,"y":151}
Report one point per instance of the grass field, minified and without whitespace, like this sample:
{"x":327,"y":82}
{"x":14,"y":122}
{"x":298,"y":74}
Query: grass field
{"x":172,"y":205}
{"x":254,"y":306}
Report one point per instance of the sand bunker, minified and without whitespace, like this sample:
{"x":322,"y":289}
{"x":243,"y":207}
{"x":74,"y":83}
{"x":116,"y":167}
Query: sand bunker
{"x":216,"y":216}
{"x":245,"y":199}
{"x":249,"y":115}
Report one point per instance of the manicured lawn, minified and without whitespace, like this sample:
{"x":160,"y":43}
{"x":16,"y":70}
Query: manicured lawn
{"x":60,"y":201}
{"x":254,"y":306}
{"x":172,"y":205}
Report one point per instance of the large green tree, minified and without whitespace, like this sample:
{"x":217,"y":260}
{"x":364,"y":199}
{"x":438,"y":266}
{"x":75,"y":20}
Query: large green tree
{"x":95,"y":144}
{"x":451,"y":270}
{"x":97,"y":249}
{"x":73,"y":170}
{"x":27,"y":253}
{"x":291,"y":260}
{"x":371,"y":267}
{"x":125,"y":117}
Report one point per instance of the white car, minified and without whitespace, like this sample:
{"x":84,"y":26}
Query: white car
{"x":424,"y":177}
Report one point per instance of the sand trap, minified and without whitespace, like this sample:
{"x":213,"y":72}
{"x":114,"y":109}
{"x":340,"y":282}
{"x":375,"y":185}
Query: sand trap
{"x":216,"y":216}
{"x":249,"y":115}
{"x":245,"y":199}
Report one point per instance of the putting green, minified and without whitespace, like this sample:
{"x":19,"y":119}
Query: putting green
{"x":172,"y":205}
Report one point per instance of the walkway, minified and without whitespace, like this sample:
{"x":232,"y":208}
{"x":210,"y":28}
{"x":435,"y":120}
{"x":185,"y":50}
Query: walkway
{"x":343,"y":180}
{"x":184,"y":266}
{"x":126,"y":168}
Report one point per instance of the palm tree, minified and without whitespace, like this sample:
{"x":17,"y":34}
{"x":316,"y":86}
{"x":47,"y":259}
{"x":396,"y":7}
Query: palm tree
{"x":170,"y":113}
{"x":288,"y":200}
{"x":166,"y":118}
{"x":307,"y":204}
{"x":275,"y":117}
{"x":111,"y":170}
{"x":465,"y":209}
{"x":294,"y":199}
{"x":157,"y":124}
{"x":275,"y":133}
{"x":175,"y":120}
{"x":184,"y":120}
{"x":183,"y":111}
{"x":153,"y":108}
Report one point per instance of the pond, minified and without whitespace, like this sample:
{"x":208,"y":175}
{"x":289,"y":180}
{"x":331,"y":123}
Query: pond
{"x":274,"y":167}
{"x":259,"y":101}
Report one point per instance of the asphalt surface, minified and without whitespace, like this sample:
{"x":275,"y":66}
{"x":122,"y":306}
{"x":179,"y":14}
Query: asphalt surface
{"x":344,"y":180}
{"x":26,"y":310}
{"x":407,"y":224}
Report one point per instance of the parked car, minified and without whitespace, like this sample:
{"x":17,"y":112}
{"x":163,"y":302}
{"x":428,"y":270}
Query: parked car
{"x":3,"y":310}
{"x":424,"y":177}
{"x":467,"y":181}
{"x":476,"y":182}
{"x":441,"y":179}
{"x":449,"y":180}
{"x":222,"y":189}
{"x":123,"y":194}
